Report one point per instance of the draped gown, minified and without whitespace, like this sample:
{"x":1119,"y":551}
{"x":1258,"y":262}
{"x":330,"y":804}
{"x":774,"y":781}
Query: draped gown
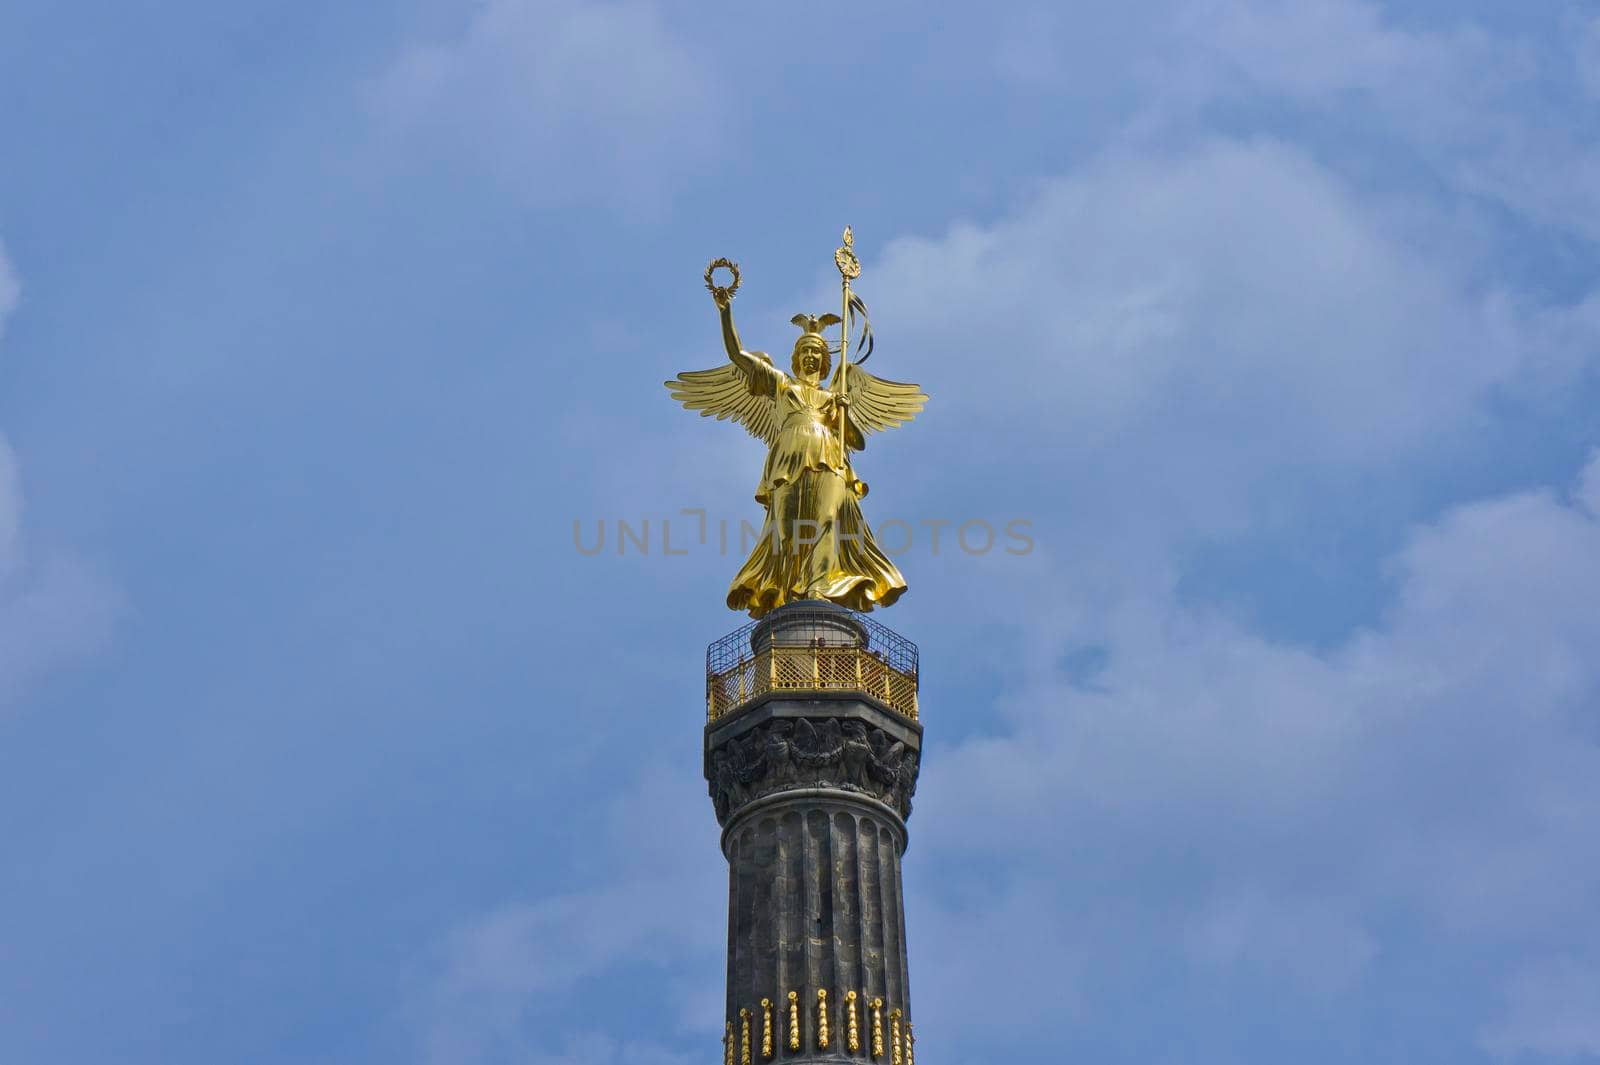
{"x":814,"y":543}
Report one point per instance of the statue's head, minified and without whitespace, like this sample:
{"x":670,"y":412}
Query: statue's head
{"x":812,"y":355}
{"x":812,"y":358}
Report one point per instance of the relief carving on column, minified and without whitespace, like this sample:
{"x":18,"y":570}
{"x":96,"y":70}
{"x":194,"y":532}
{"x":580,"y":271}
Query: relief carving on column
{"x":781,"y":755}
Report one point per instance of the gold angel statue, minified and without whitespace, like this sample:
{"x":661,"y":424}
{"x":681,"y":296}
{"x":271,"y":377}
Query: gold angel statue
{"x":814,"y":543}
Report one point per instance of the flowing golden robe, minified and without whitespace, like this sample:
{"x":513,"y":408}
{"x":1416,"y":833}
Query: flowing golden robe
{"x":814,"y":543}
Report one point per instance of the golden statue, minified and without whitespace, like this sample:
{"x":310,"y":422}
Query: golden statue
{"x":814,"y":543}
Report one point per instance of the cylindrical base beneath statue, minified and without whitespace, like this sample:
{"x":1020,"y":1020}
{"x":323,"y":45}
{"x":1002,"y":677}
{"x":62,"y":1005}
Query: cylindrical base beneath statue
{"x":809,"y":623}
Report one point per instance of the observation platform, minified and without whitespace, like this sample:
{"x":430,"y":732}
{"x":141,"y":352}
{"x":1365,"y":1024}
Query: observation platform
{"x":809,"y":647}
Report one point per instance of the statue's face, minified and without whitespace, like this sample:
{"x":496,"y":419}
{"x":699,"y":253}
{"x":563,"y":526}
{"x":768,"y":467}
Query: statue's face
{"x":808,"y":363}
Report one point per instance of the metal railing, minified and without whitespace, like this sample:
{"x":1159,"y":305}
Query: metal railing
{"x":836,"y":650}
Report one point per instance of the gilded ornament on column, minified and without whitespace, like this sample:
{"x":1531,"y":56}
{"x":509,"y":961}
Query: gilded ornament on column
{"x":894,"y":1037}
{"x":766,"y":1028}
{"x":794,"y":1020}
{"x":727,"y":1045}
{"x":744,"y":1036}
{"x":877,"y":1028}
{"x":911,"y":1043}
{"x":853,"y":1033}
{"x":822,"y":1019}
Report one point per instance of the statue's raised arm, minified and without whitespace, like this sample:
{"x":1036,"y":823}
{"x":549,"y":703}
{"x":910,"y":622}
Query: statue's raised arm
{"x":745,"y":388}
{"x":755,"y":364}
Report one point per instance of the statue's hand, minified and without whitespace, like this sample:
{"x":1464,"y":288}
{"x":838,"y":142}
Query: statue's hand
{"x":722,"y":298}
{"x":842,"y":399}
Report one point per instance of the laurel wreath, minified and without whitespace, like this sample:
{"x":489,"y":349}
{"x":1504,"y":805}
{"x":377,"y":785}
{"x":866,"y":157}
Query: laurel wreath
{"x":721,"y":290}
{"x":849,"y":266}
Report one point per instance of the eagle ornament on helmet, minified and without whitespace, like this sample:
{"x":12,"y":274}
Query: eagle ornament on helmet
{"x":811,"y":339}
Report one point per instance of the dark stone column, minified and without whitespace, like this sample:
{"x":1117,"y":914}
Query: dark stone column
{"x":813,"y":790}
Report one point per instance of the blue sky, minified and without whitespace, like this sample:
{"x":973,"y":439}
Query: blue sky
{"x":320,"y":325}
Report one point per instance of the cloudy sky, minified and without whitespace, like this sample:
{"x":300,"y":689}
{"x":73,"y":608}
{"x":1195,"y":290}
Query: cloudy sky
{"x":322,"y":324}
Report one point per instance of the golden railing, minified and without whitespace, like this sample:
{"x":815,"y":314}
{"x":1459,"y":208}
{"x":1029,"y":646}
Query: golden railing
{"x":803,"y":669}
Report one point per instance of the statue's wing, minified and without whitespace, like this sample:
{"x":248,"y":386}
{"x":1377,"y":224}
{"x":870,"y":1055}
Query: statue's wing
{"x":727,"y":392}
{"x":877,"y":404}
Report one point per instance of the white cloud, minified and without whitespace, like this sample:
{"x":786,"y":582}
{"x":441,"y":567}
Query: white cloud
{"x":52,"y":608}
{"x":10,"y":290}
{"x":1209,"y":334}
{"x":505,"y":987}
{"x":1497,"y":116}
{"x":51,"y":613}
{"x":1588,"y":492}
{"x":1552,"y":1008}
{"x":557,"y":100}
{"x":1442,"y":765}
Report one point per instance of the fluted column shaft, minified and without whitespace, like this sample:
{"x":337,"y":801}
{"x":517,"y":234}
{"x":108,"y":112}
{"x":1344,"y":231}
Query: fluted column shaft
{"x":814,"y":903}
{"x":813,"y":793}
